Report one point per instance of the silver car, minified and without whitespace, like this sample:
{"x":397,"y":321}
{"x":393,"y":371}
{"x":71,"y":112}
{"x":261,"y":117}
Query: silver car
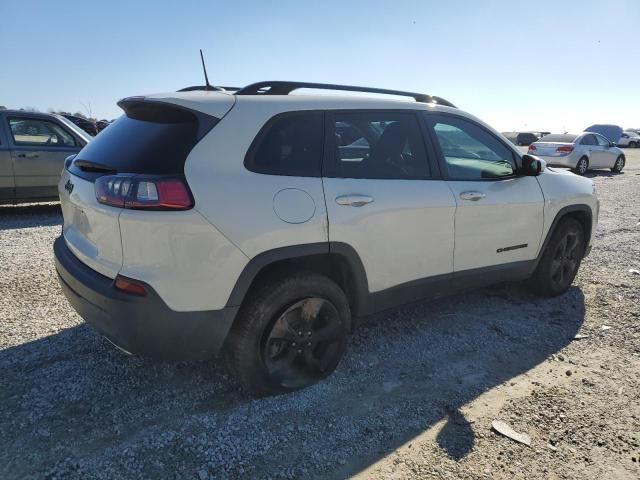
{"x":580,"y":152}
{"x":33,"y":147}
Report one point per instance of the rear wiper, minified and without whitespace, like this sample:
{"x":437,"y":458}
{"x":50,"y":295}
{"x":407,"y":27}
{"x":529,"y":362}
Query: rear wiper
{"x":87,"y":166}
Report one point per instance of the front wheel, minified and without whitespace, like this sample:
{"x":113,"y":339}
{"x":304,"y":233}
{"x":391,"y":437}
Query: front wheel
{"x":633,"y":144}
{"x":290,"y":334}
{"x":582,"y":166}
{"x":560,"y":260}
{"x":619,"y":165}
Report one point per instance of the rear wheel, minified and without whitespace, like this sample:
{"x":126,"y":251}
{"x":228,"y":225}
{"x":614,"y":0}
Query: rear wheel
{"x":582,"y":166}
{"x":560,"y":260}
{"x":633,"y":144}
{"x":619,"y":165}
{"x":290,"y":334}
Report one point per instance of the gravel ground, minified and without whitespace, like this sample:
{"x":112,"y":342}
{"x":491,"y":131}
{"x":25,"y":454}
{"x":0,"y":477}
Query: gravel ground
{"x":414,"y":397}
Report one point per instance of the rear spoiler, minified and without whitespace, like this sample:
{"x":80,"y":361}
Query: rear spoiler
{"x":150,"y":110}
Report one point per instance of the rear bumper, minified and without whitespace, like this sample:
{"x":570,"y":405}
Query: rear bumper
{"x":142,"y":325}
{"x":566,"y":161}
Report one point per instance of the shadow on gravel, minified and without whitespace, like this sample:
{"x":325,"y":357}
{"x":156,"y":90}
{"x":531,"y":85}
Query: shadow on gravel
{"x":602,"y":173}
{"x":75,"y":407}
{"x":456,"y":437}
{"x":30,"y":215}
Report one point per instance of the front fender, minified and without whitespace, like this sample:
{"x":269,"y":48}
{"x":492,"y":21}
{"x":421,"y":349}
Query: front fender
{"x":564,"y":193}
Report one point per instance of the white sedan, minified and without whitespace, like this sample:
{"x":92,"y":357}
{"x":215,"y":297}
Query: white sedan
{"x":580,"y":152}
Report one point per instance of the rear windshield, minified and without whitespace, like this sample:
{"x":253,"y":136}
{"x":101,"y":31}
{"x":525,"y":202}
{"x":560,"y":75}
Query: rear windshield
{"x":150,"y":138}
{"x":559,"y":137}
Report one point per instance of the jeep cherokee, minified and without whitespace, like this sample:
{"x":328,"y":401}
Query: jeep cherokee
{"x":260,"y":225}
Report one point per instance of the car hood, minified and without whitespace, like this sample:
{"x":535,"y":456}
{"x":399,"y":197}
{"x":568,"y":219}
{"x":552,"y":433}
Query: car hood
{"x":612,"y":132}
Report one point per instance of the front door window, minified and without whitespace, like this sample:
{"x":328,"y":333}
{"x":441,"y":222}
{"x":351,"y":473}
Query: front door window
{"x":35,"y":132}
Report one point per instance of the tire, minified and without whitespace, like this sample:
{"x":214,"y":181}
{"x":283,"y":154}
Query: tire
{"x":289,"y":334}
{"x":560,"y":260}
{"x":633,"y":144}
{"x":582,"y":166}
{"x":619,"y":165}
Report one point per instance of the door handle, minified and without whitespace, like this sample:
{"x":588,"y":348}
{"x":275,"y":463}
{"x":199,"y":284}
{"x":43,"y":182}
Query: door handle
{"x":354,"y":200}
{"x":27,"y":155}
{"x":474,"y":196}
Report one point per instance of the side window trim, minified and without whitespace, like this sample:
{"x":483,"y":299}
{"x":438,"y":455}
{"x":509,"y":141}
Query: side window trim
{"x":11,"y":138}
{"x":430,"y":118}
{"x":437,"y":172}
{"x":330,"y":162}
{"x":266,"y":128}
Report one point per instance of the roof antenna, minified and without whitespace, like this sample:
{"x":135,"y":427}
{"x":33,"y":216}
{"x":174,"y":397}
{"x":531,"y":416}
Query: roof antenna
{"x":206,"y":79}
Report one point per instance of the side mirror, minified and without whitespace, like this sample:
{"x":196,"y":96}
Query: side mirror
{"x":532,"y":166}
{"x":612,"y":144}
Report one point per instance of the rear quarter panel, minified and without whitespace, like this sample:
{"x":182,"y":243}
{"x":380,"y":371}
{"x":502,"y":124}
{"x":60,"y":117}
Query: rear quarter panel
{"x":240,"y":203}
{"x":187,"y":261}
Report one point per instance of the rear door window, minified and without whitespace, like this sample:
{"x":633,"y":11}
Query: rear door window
{"x":290,"y":144}
{"x":377,"y":145}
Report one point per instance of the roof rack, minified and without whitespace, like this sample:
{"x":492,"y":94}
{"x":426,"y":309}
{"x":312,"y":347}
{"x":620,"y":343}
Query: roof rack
{"x":216,"y":88}
{"x":284,"y":88}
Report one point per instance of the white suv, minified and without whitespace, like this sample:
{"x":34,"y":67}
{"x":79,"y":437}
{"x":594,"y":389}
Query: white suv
{"x":261,"y":225}
{"x":629,"y":139}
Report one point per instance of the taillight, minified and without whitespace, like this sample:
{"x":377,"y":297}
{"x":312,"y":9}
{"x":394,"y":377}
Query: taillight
{"x":143,"y":192}
{"x":532,"y":148}
{"x":129,"y":286}
{"x":565,"y":149}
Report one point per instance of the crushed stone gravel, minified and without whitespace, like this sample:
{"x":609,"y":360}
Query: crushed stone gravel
{"x":414,"y":397}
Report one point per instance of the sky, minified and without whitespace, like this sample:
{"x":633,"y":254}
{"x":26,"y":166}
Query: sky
{"x":518,"y":65}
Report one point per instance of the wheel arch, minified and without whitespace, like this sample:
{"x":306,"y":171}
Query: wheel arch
{"x":336,"y":260}
{"x":580,"y":212}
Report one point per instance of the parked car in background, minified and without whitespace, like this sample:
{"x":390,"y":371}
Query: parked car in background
{"x":102,"y":124}
{"x":87,"y":125}
{"x":33,"y":148}
{"x":263,"y":225}
{"x":580,"y":152}
{"x":511,"y":136}
{"x":630,"y":139}
{"x":524,"y":138}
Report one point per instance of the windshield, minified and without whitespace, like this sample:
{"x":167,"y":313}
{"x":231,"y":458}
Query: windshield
{"x":559,"y":137}
{"x":77,"y":130}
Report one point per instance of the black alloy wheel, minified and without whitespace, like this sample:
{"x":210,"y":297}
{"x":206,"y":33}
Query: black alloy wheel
{"x":304,"y":344}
